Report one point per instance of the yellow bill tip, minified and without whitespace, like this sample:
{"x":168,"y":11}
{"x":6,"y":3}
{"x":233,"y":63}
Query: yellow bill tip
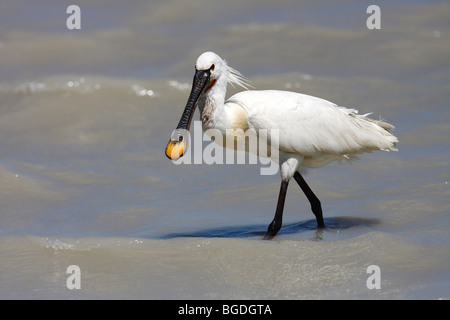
{"x":175,"y":149}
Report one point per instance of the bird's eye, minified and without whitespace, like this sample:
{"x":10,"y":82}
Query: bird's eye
{"x":212,"y":67}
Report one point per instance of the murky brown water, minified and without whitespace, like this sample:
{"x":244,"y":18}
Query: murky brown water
{"x":85,"y":116}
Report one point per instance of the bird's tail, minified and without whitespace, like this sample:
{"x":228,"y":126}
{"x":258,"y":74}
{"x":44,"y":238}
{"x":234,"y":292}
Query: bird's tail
{"x":386,"y":126}
{"x":389,"y":140}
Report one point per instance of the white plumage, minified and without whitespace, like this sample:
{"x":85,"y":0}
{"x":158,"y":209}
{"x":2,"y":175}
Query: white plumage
{"x":316,"y":129}
{"x":312,"y":131}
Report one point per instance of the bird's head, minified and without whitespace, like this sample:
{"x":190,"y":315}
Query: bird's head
{"x":205,"y":77}
{"x":212,"y":64}
{"x":210,"y":69}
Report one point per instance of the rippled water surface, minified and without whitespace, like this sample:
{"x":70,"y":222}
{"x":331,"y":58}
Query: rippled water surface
{"x":85,"y":116}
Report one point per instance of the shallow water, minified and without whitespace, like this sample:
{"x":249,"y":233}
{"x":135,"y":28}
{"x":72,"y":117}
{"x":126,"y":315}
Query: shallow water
{"x":85,"y":116}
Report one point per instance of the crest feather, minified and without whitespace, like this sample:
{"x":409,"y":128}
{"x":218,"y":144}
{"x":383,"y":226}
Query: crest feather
{"x":236,"y":78}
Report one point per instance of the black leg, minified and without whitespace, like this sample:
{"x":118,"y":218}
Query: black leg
{"x":315,"y":202}
{"x":275,"y":225}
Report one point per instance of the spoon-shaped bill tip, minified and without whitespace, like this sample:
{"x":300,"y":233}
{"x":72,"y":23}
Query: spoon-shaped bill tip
{"x":176,"y":149}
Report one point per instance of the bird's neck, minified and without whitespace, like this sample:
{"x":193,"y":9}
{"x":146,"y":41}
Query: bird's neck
{"x":211,"y":104}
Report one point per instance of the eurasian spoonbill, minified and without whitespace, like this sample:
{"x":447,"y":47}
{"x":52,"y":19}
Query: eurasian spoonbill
{"x":312,"y":131}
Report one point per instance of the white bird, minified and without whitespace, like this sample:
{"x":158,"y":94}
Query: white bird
{"x":312,"y":131}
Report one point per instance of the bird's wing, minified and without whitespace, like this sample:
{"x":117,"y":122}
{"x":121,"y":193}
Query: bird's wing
{"x":310,"y":126}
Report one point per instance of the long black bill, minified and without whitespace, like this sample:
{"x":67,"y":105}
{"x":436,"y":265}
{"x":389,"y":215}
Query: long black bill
{"x":177,"y":144}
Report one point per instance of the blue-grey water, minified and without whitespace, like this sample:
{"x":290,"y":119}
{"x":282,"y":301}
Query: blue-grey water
{"x":85,"y":116}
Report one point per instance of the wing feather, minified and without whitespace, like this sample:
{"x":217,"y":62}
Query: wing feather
{"x":312,"y":126}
